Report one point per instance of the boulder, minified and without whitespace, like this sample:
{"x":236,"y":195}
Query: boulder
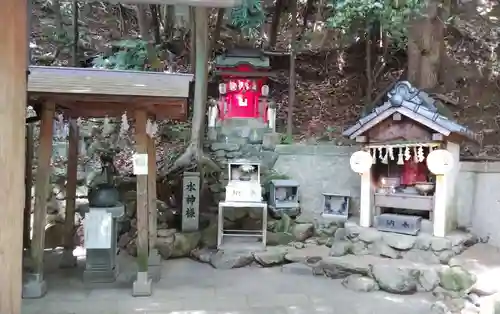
{"x":278,"y":238}
{"x":382,"y":249}
{"x":203,"y":255}
{"x":420,"y":256}
{"x":440,"y":244}
{"x":399,"y":280}
{"x":185,"y":242}
{"x":369,"y":235}
{"x":359,"y":248}
{"x":400,"y":241}
{"x":456,"y":278}
{"x":341,"y":267}
{"x":229,"y":259}
{"x":428,"y":279}
{"x":340,"y":248}
{"x":359,"y":283}
{"x":271,"y":257}
{"x":302,"y":232}
{"x":178,"y":244}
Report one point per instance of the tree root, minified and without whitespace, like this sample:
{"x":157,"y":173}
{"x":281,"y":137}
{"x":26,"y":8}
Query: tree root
{"x":193,"y":157}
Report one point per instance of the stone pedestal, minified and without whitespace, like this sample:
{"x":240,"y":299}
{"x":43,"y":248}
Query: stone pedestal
{"x":154,"y":265}
{"x":34,"y":287}
{"x":142,"y":286}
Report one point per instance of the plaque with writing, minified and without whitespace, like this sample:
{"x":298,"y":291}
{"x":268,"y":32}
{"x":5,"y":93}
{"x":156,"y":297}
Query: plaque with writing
{"x":98,"y":226}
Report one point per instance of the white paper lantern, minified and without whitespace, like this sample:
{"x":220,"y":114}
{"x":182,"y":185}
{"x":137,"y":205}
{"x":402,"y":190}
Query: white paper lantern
{"x":222,"y":88}
{"x":265,"y":90}
{"x":440,"y":161}
{"x":361,"y":161}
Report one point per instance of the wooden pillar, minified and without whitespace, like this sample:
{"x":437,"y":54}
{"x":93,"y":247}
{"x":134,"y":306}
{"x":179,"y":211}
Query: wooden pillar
{"x":153,"y":214}
{"x":36,"y":287}
{"x":142,"y":285}
{"x":366,"y":200}
{"x":28,"y":176}
{"x":12,"y":124}
{"x":154,"y":259}
{"x":68,"y":260}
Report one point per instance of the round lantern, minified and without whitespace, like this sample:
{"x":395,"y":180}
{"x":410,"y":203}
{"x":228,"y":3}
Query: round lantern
{"x":265,"y":90}
{"x":222,"y":88}
{"x":440,"y":161}
{"x":361,"y":161}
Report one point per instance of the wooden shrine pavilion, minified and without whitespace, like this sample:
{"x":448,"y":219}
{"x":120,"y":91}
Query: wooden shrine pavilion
{"x":85,"y":93}
{"x":76,"y":92}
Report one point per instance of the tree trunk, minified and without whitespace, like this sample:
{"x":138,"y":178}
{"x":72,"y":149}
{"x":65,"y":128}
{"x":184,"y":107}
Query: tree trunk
{"x":13,"y":66}
{"x":218,"y":26}
{"x":307,"y":12}
{"x":169,"y":22}
{"x":155,"y":24}
{"x":58,"y":19}
{"x":142,"y":20}
{"x":368,"y":68}
{"x":291,"y":87}
{"x":273,"y":37}
{"x":76,"y":33}
{"x":194,"y":151}
{"x":192,"y":37}
{"x":426,"y":47}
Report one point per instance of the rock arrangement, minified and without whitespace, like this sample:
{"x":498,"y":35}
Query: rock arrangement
{"x":240,"y":139}
{"x":423,"y":248}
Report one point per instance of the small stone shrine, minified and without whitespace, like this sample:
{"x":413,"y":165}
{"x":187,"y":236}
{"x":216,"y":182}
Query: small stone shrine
{"x":336,"y":206}
{"x":243,"y":191}
{"x":284,"y":197}
{"x":409,"y":163}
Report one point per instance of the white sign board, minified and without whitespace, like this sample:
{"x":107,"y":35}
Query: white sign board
{"x":140,"y":164}
{"x":243,"y":192}
{"x":98,"y":226}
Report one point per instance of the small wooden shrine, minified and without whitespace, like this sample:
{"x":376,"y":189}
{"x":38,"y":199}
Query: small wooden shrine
{"x":243,"y":91}
{"x":399,"y":135}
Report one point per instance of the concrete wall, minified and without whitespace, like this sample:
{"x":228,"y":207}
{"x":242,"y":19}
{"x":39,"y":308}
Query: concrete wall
{"x":478,"y":199}
{"x":325,"y":168}
{"x":319,"y":169}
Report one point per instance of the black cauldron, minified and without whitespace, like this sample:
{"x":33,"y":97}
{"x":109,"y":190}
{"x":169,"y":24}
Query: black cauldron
{"x":104,"y":195}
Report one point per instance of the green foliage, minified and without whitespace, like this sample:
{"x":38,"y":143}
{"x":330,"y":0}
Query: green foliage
{"x":249,"y":16}
{"x":131,"y":55}
{"x":394,"y":16}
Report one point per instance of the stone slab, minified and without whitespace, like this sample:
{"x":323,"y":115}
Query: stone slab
{"x":142,"y":286}
{"x":100,"y":276}
{"x":154,"y":265}
{"x":34,"y":288}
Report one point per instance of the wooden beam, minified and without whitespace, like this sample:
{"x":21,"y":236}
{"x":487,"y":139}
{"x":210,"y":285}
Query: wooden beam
{"x":68,"y":260}
{"x":193,"y":3}
{"x":13,"y":51}
{"x":42,"y":186}
{"x":245,"y":74}
{"x":89,"y":81}
{"x":141,"y":142}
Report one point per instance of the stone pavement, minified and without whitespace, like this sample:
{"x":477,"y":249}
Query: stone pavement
{"x":189,"y":287}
